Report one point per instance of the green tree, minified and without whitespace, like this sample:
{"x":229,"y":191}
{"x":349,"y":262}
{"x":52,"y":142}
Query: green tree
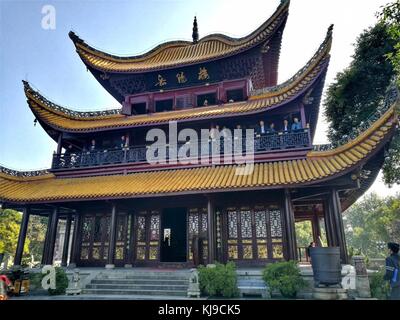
{"x":371,"y":223}
{"x":36,"y":234}
{"x":10,"y":221}
{"x":360,"y":89}
{"x":304,"y":234}
{"x":390,"y":15}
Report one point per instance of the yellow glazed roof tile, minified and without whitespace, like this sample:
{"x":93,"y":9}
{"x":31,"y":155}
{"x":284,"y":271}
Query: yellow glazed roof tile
{"x":177,"y":53}
{"x":260,"y":100}
{"x":316,"y":166}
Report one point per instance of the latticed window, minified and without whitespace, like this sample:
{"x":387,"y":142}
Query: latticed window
{"x":147,"y":235}
{"x":254,"y":233}
{"x":197,"y":225}
{"x":95,"y":238}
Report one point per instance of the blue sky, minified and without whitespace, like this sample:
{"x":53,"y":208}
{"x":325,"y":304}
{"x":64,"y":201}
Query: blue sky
{"x":47,"y":58}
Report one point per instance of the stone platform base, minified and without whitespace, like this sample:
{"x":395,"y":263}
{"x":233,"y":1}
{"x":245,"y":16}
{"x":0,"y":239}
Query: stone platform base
{"x":330,"y":293}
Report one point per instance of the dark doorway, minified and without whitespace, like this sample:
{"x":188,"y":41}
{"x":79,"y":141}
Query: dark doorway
{"x":234,"y":95}
{"x":164,"y":105}
{"x":206,"y":99}
{"x":173,"y":233}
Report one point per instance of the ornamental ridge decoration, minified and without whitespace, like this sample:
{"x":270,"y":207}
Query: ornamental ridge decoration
{"x":324,"y":47}
{"x":66,"y":111}
{"x":23,"y":174}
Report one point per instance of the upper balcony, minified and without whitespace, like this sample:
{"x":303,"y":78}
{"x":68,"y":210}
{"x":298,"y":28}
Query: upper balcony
{"x":261,"y":145}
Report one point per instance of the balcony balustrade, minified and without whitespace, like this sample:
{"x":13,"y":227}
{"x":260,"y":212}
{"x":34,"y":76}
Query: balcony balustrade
{"x":137,"y":154}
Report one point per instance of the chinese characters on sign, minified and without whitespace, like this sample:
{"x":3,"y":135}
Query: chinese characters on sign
{"x":161,"y":81}
{"x":181,"y":77}
{"x":203,"y":74}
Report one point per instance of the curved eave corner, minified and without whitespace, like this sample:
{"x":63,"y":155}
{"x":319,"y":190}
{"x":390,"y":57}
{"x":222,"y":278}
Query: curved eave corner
{"x":314,"y":168}
{"x":178,"y":53}
{"x":64,"y":119}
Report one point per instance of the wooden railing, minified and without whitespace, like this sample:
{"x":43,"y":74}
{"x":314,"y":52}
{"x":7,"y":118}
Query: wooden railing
{"x":262,"y":143}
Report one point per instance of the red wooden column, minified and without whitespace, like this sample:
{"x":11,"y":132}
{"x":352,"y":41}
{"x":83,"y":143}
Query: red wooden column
{"x":22,"y":236}
{"x":290,"y":230}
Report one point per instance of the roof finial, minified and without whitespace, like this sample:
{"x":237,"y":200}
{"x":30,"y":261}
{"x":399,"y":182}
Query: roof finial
{"x":195,"y":34}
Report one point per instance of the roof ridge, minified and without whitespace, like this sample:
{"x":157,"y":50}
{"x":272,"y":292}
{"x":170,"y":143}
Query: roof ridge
{"x":242,"y":43}
{"x":322,"y":51}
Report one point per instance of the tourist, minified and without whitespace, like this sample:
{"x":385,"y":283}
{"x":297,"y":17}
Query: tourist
{"x":296,"y":125}
{"x":285,"y":126}
{"x":92,"y":147}
{"x":123,"y":143}
{"x":393,"y":271}
{"x":311,"y":245}
{"x":260,"y":129}
{"x":271,"y":128}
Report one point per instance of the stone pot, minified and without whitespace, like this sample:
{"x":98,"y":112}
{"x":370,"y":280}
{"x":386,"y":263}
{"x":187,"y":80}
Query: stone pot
{"x":326,"y":265}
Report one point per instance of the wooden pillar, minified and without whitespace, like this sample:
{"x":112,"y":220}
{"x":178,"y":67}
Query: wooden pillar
{"x":290,"y":230}
{"x":113,"y":237}
{"x":52,"y":236}
{"x":303,"y":116}
{"x":131,"y":239}
{"x":316,"y":227}
{"x":46,"y":240}
{"x":59,"y":143}
{"x":336,"y":215}
{"x":64,"y":260}
{"x":22,"y":236}
{"x":75,"y":241}
{"x":211,"y":230}
{"x":329,"y":227}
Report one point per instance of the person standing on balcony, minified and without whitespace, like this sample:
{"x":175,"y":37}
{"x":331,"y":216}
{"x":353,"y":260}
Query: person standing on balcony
{"x":285,"y":126}
{"x":124,"y":142}
{"x":92,"y":147}
{"x":296,"y":125}
{"x":271,"y":128}
{"x":392,"y":270}
{"x":261,"y":129}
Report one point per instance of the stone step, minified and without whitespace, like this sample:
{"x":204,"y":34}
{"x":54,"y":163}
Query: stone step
{"x":135,"y":292}
{"x":140,"y":281}
{"x":141,"y":276}
{"x":138,"y":286}
{"x":134,"y":278}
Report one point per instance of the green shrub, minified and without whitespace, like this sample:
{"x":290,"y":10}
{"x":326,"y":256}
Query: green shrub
{"x":220,"y":280}
{"x":61,"y":282}
{"x":35,"y":280}
{"x":379,"y":287}
{"x":284,"y":276}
